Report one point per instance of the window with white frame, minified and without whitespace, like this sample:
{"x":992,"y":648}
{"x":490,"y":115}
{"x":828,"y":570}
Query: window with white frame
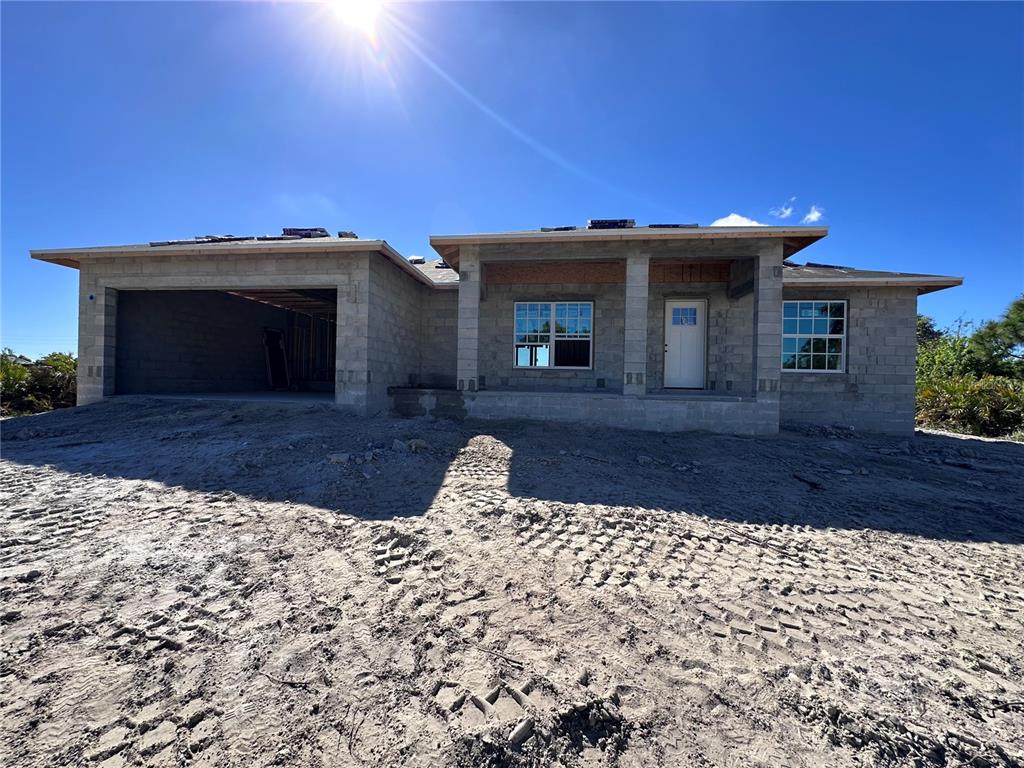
{"x":814,"y":336}
{"x":555,"y":334}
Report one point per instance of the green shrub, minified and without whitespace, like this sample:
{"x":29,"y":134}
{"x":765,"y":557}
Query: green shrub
{"x":47,"y":384}
{"x":52,"y":380}
{"x":992,"y":405}
{"x":13,"y":380}
{"x":943,"y":358}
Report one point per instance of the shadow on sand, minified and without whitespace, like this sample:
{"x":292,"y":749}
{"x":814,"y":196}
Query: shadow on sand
{"x":931,"y":486}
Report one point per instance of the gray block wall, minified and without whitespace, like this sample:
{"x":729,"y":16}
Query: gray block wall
{"x":610,"y":250}
{"x":103,"y":277}
{"x":767,"y":298}
{"x":467,"y":357}
{"x":97,"y":340}
{"x":393,"y":357}
{"x":876,"y":392}
{"x":191,"y":341}
{"x":730,"y":335}
{"x":439,"y":338}
{"x":497,"y":326}
{"x":634,"y":356}
{"x":392,"y":330}
{"x":746,"y":415}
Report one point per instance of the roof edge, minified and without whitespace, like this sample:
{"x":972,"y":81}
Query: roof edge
{"x":635,"y":233}
{"x":305,"y":245}
{"x":795,"y":238}
{"x":924,"y":283}
{"x":71,"y":257}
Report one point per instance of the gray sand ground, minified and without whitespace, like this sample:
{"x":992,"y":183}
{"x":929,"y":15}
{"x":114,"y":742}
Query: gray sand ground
{"x":216,"y":584}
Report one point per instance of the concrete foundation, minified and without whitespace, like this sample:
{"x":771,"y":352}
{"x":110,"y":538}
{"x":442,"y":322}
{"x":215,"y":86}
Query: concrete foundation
{"x":668,"y":413}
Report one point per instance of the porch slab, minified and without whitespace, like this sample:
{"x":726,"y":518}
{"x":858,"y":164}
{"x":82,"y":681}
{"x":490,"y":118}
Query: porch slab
{"x":698,"y":395}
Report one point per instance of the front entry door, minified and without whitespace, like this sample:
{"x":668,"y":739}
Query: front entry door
{"x":685,"y":336}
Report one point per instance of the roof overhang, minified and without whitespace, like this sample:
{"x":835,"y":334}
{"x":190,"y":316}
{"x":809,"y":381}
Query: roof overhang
{"x":793,"y":238}
{"x":923,"y":283}
{"x":72,"y":257}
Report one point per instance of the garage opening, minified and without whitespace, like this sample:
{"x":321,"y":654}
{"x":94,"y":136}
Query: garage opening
{"x":275,"y":343}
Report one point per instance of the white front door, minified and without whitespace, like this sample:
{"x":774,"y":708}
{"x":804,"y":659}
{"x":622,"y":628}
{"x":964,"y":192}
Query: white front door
{"x":685,"y":336}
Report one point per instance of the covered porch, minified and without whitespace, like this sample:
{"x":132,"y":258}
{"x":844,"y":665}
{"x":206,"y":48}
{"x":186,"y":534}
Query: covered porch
{"x":619,"y":307}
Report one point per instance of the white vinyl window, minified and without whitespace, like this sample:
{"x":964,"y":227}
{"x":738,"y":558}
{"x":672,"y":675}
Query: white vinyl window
{"x":554,"y":334}
{"x":814,"y":336}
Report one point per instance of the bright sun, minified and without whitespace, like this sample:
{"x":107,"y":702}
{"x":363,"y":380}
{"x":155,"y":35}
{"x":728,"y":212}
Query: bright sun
{"x":361,"y":15}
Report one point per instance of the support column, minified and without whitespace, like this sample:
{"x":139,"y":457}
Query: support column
{"x":97,"y":338}
{"x":352,"y":345}
{"x":767,"y":357}
{"x":469,"y":317}
{"x":634,"y":357}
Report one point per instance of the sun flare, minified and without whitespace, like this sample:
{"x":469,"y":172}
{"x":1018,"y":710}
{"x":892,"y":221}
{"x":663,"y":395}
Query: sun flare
{"x":360,"y":15}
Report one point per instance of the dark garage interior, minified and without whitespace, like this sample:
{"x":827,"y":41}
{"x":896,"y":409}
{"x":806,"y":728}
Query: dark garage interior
{"x":242,"y":341}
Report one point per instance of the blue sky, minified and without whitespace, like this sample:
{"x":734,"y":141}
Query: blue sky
{"x":126,"y":122}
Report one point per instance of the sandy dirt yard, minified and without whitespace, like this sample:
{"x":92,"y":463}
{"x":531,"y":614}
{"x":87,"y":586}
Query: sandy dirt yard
{"x":192,"y":583}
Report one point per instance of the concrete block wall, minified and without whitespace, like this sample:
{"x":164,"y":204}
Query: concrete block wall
{"x":101,"y":277}
{"x":390,"y":328}
{"x":192,"y":341}
{"x":97,"y":340}
{"x":767,"y":329}
{"x":439,"y":337}
{"x":441,"y":403}
{"x":395,"y":302}
{"x":876,"y":392}
{"x":690,"y":265}
{"x":352,"y":348}
{"x":468,"y":354}
{"x":497,"y":330}
{"x":730,"y":335}
{"x":745,"y":416}
{"x":590,"y":252}
{"x":634,"y":359}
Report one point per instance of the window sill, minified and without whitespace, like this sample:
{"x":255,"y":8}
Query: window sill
{"x":549,"y":368}
{"x":829,"y":374}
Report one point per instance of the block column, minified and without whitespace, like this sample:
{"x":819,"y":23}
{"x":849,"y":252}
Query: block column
{"x":97,"y":338}
{"x":634,"y":357}
{"x":469,"y":317}
{"x":767,"y":357}
{"x":352,"y":375}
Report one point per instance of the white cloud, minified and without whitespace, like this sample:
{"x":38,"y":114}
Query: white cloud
{"x":735,"y":220}
{"x":784,"y":211}
{"x":813,"y":216}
